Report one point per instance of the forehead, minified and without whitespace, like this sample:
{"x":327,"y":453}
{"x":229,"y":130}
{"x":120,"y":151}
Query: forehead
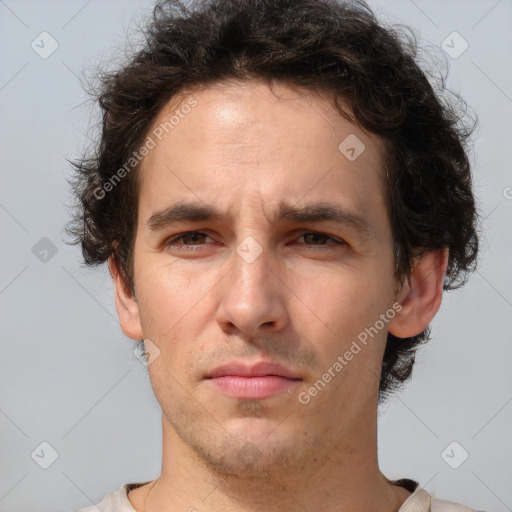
{"x":246,"y":139}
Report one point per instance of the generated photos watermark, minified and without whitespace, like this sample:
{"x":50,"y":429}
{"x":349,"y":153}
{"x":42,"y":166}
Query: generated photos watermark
{"x":342,"y":360}
{"x":151,"y":141}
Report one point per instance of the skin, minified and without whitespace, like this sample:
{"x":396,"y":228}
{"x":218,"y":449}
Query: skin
{"x":245,"y":148}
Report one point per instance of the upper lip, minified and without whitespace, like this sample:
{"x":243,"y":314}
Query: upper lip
{"x":256,"y":370}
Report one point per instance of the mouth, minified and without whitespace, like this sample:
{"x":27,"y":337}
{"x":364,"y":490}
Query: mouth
{"x":255,"y":382}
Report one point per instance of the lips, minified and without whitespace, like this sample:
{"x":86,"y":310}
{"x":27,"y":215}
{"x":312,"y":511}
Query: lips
{"x":257,"y":370}
{"x":256,"y":382}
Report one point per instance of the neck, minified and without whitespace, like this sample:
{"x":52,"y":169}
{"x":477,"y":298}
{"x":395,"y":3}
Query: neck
{"x":340,"y":477}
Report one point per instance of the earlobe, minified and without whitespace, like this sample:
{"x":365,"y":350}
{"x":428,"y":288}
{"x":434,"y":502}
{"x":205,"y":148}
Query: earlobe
{"x":421,"y":295}
{"x":126,"y":304}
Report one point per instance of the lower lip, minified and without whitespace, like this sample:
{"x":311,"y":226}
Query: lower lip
{"x":252,"y":387}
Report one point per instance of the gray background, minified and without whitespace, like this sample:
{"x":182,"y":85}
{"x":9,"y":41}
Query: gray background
{"x":68,"y":376}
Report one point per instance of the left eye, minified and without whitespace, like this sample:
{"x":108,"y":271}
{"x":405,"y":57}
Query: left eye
{"x":312,"y":236}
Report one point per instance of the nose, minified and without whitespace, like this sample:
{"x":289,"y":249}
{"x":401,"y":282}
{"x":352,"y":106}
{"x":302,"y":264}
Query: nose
{"x":253,"y":296}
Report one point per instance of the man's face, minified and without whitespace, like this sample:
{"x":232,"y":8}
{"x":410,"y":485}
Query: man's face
{"x":250,"y":288}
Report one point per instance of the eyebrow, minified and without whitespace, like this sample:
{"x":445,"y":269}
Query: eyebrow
{"x":191,"y":211}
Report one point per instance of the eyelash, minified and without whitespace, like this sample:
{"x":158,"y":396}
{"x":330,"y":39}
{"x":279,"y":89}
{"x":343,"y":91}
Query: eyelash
{"x":193,"y":247}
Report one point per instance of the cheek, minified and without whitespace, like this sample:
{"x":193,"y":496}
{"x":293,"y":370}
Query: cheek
{"x":342,"y":305}
{"x":168,"y":296}
{"x":339,"y":301}
{"x":172,"y":306}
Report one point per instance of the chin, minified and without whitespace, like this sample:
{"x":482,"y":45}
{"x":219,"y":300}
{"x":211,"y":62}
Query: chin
{"x":252,"y":459}
{"x":252,"y":447}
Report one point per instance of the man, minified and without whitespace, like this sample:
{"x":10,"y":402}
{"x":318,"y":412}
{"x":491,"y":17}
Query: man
{"x":282,"y":199}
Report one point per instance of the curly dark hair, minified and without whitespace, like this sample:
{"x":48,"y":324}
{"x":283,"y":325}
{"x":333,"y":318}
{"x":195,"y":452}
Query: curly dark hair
{"x":371,"y":74}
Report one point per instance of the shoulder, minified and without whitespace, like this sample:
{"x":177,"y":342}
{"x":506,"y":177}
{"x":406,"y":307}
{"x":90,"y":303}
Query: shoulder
{"x":115,"y":501}
{"x":421,"y":501}
{"x":448,"y":506}
{"x":108,"y":504}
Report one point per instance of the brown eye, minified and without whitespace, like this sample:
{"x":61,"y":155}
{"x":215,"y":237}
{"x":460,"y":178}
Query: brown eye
{"x":313,"y":238}
{"x":193,"y":237}
{"x":187,"y":240}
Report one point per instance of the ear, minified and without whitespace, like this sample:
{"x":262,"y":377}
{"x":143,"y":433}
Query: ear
{"x":126,"y":304}
{"x":421,"y":294}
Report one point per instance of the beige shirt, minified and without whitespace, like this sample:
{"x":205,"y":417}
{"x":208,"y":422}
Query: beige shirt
{"x":419,"y":501}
